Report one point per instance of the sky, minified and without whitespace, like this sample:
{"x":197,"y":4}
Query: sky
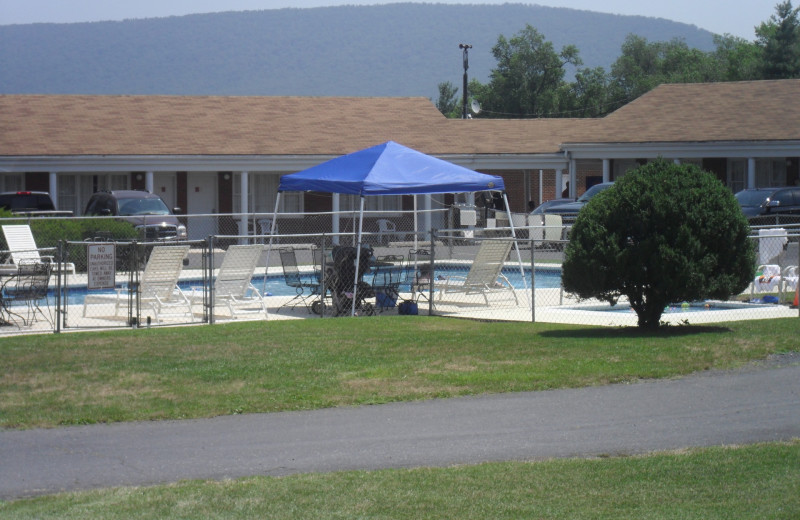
{"x":736,"y":17}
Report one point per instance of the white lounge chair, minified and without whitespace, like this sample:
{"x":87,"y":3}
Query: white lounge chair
{"x":485,"y":274}
{"x":547,"y":230}
{"x":386,"y":230}
{"x":790,"y":278}
{"x":233,"y":286}
{"x":23,"y":248}
{"x":768,"y":278}
{"x":158,"y":286}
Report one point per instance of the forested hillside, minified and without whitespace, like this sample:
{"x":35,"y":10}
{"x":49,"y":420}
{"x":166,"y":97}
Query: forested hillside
{"x":384,"y":50}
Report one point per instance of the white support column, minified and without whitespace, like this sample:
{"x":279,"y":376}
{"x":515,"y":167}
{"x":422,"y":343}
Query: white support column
{"x":148,"y":182}
{"x":559,"y":184}
{"x":244,"y":182}
{"x":573,"y":174}
{"x":53,"y":188}
{"x":541,"y":188}
{"x":335,"y":206}
{"x":426,"y":216}
{"x":606,"y":170}
{"x":751,"y":172}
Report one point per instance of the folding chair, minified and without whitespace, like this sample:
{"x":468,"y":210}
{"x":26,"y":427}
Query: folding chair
{"x":306,"y":286}
{"x":29,"y":286}
{"x":485,"y":274}
{"x":23,"y":248}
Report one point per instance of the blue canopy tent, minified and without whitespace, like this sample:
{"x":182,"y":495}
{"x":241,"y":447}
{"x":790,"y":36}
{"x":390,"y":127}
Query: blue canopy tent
{"x":387,"y":169}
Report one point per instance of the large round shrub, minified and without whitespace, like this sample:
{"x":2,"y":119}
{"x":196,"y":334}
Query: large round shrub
{"x":664,"y":233}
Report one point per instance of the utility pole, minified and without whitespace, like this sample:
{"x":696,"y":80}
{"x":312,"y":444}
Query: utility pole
{"x":465,"y":52}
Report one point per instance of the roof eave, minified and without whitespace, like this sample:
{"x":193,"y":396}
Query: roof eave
{"x":683,"y":150}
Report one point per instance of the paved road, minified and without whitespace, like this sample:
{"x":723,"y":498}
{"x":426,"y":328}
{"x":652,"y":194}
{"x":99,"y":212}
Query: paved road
{"x":742,"y":406}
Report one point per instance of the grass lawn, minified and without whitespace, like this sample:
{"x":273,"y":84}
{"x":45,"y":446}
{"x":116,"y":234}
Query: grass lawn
{"x":190,"y":372}
{"x":758,"y":482}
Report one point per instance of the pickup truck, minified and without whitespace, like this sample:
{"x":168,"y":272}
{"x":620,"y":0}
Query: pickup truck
{"x":31,"y":204}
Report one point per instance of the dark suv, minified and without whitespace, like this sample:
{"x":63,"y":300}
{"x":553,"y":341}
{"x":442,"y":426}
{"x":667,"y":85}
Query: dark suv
{"x":146,"y":211}
{"x":31,"y":203}
{"x":569,"y":211}
{"x":762,"y":202}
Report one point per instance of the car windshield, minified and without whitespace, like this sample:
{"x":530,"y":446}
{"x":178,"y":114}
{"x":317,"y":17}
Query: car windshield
{"x":21,"y":201}
{"x":549,"y":204}
{"x":153,"y":206}
{"x":752,"y":197}
{"x":591,"y":192}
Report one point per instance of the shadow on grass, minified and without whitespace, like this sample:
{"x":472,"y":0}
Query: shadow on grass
{"x":636,"y":332}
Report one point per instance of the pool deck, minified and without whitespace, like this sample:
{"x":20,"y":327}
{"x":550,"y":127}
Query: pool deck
{"x":551,"y":306}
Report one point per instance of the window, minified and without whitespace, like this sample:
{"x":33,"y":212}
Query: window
{"x":737,"y":175}
{"x":11,"y":182}
{"x":770,"y":172}
{"x":621,"y":167}
{"x":262,"y":190}
{"x":74,"y":190}
{"x":372,"y":203}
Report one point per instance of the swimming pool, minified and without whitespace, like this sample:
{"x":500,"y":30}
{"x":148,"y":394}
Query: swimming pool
{"x":546,"y":278}
{"x":677,"y":308}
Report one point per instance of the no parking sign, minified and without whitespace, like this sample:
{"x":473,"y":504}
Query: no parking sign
{"x":101,"y":266}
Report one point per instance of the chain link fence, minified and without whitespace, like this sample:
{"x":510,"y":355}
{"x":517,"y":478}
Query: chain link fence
{"x":300,"y":266}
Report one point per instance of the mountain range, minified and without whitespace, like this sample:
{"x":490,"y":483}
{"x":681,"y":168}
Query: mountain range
{"x":401,"y":49}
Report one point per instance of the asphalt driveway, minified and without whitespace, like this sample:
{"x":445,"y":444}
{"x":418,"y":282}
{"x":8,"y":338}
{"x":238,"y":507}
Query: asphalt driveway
{"x":753,"y":404}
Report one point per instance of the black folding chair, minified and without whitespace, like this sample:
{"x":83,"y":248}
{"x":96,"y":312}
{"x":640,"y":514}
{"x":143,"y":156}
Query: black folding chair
{"x":388,"y":275}
{"x":29,"y":286}
{"x":419,"y":272}
{"x":307,"y":286}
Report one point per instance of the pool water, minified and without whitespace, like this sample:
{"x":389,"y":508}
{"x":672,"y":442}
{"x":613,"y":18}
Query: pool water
{"x":275,"y":286}
{"x":677,"y":308}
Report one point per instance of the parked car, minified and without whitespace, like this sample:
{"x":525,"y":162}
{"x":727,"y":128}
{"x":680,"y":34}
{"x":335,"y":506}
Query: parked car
{"x":540,"y":209}
{"x":759,"y":202}
{"x":31,"y":203}
{"x":146,"y":211}
{"x":569,"y":211}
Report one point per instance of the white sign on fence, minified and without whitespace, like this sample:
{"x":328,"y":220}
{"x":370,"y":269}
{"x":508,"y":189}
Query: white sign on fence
{"x":101,"y":266}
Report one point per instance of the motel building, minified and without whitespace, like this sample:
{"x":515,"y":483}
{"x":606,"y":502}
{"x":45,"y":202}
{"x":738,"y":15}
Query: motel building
{"x":225,"y":155}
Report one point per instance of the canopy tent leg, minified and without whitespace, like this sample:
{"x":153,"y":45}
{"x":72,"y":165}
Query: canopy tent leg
{"x":358,"y":258}
{"x":271,"y":235}
{"x":516,"y":244}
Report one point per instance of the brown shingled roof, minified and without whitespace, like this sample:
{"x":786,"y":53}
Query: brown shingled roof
{"x":523,"y":136}
{"x":63,"y":125}
{"x":198,"y":125}
{"x":704,"y":112}
{"x":52,"y":125}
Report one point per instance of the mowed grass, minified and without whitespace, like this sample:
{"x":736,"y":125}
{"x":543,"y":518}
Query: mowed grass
{"x":193,"y":372}
{"x":750,"y":482}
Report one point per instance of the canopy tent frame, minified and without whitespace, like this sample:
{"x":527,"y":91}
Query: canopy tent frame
{"x":388,"y":169}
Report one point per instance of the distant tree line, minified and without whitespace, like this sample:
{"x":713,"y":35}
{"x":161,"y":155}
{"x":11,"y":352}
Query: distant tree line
{"x":529,"y":78}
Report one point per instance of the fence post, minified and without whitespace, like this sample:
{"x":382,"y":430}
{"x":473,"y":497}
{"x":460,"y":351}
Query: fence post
{"x":432,"y":277}
{"x":533,"y":280}
{"x":61,"y":263}
{"x":133,"y":287}
{"x":208,"y":279}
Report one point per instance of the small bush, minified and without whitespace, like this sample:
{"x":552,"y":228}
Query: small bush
{"x":49,"y":231}
{"x":664,"y":233}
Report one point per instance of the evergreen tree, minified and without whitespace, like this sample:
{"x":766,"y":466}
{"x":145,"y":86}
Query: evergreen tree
{"x":779,"y":39}
{"x":529,"y":76}
{"x":447,"y":102}
{"x":663,"y":234}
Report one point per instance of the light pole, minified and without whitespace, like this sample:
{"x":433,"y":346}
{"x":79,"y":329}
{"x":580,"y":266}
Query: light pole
{"x":465,"y":52}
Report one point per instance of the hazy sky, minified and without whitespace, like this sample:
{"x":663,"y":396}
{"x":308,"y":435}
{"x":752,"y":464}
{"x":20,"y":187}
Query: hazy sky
{"x":737,"y":17}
